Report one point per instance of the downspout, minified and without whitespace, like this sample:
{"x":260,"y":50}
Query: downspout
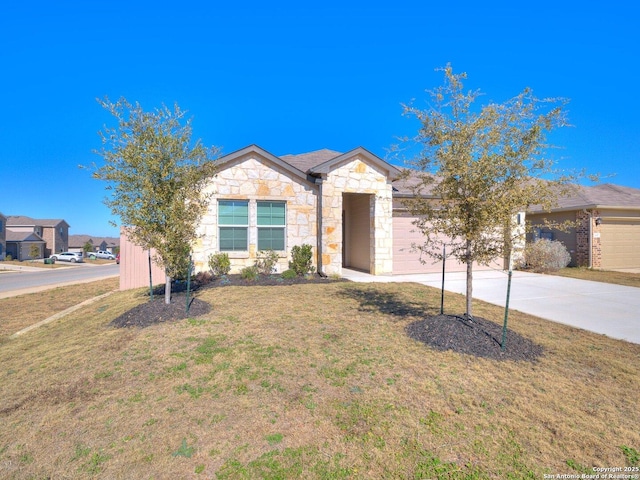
{"x":318,"y":182}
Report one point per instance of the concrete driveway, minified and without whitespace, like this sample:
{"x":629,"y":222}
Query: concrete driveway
{"x":612,"y":310}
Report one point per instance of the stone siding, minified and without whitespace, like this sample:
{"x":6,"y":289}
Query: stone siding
{"x":254,"y":179}
{"x":357,"y":176}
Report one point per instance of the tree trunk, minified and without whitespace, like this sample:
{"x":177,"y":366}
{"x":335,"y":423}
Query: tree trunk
{"x":167,"y":289}
{"x":469,"y":282}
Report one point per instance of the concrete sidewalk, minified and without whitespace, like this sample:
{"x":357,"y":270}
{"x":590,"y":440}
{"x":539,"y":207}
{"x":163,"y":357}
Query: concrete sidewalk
{"x":612,"y":310}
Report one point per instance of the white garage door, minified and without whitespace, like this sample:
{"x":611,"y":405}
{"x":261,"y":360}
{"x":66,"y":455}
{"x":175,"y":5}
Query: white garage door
{"x":407,"y":260}
{"x":620,"y":242}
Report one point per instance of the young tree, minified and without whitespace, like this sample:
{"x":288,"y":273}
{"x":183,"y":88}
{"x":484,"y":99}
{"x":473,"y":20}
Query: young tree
{"x":87,"y":247}
{"x":479,"y":167}
{"x":34,"y":251}
{"x":156,"y":176}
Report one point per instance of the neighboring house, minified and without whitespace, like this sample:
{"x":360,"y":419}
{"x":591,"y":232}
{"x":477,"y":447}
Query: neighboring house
{"x":340,"y":203}
{"x":607,"y":235}
{"x":55,"y":233}
{"x":109,"y":244}
{"x":20,"y":244}
{"x":3,"y":236}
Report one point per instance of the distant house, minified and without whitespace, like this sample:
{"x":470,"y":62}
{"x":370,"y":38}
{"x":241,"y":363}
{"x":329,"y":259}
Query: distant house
{"x":54,"y":232}
{"x":109,"y":244}
{"x":3,"y":236}
{"x":607,"y":235}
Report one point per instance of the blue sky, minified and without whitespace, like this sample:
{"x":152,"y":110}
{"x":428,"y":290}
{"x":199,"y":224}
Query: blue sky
{"x":294,"y":77}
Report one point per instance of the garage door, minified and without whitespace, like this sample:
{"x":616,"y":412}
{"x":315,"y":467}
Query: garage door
{"x":620,"y":243}
{"x":407,"y":260}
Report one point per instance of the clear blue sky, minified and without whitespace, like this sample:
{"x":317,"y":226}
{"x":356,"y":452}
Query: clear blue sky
{"x":294,"y":77}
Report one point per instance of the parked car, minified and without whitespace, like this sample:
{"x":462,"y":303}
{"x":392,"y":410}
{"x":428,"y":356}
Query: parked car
{"x":102,"y":254}
{"x":73,"y":257}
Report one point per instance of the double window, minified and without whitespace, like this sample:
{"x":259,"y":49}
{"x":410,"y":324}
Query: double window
{"x":234,"y":225}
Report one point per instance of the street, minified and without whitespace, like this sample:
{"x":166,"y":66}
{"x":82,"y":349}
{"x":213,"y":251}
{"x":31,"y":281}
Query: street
{"x":19,"y":282}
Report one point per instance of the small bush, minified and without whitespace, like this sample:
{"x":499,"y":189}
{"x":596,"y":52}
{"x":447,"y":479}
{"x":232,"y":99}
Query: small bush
{"x":219,"y":264}
{"x":301,"y":259}
{"x":8,"y":258}
{"x":546,"y":255}
{"x":266,"y":262}
{"x":288,"y":274}
{"x":249,"y":273}
{"x":203,"y":278}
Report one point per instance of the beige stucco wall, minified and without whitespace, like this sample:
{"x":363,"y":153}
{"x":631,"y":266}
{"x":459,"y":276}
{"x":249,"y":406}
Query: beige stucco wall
{"x":254,"y":178}
{"x":357,"y":176}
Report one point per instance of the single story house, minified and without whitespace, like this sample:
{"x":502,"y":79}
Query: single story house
{"x":3,"y":236}
{"x":343,"y":204}
{"x":55,"y":233}
{"x":606,"y":234}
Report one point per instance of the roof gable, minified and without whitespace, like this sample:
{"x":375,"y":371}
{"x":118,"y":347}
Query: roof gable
{"x":225,"y":161}
{"x":329,"y":165}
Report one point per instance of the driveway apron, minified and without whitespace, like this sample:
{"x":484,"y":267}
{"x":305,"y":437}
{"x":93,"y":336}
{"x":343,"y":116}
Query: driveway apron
{"x":612,"y":310}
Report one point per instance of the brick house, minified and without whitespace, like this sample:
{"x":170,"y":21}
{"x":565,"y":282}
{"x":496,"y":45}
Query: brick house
{"x":54,"y":233}
{"x":345,"y":205}
{"x":607,"y":231}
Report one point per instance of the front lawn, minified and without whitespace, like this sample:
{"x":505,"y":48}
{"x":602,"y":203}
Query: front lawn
{"x":605,"y":276}
{"x":309,"y":381}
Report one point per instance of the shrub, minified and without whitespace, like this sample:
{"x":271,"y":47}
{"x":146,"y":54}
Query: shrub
{"x":219,"y":264}
{"x":266,"y":261}
{"x":249,"y":273}
{"x":288,"y":274}
{"x":546,"y":255}
{"x":203,"y":278}
{"x":301,"y":259}
{"x":8,"y":258}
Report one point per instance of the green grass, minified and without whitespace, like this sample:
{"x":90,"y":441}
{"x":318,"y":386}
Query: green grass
{"x":317,"y":382}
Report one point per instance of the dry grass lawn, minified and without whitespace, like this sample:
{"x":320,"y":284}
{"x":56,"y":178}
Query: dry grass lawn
{"x":309,"y":381}
{"x":605,"y":276}
{"x":22,"y":311}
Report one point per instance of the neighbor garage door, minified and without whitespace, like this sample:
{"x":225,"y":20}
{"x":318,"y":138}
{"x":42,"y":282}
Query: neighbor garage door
{"x":407,"y":260}
{"x":620,"y":242}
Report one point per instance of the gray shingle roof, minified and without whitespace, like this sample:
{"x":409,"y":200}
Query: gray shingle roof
{"x":306,"y":161}
{"x":22,"y":237}
{"x":604,"y":195}
{"x":24,"y":221}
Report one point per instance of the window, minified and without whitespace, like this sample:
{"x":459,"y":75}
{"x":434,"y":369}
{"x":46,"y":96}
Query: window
{"x":233,"y":219}
{"x":271,"y":223}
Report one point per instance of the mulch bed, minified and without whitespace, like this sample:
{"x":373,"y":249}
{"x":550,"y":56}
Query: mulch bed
{"x":156,"y":311}
{"x":479,"y":337}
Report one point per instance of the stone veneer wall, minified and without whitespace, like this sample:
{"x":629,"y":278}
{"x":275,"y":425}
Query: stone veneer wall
{"x":252,"y":178}
{"x":357,"y":176}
